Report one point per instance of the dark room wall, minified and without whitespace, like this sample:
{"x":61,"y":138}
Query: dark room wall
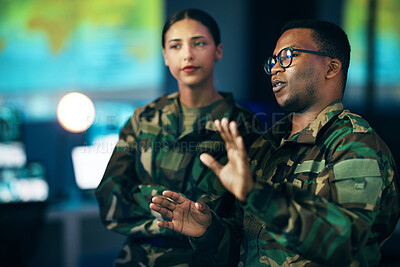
{"x":231,"y":73}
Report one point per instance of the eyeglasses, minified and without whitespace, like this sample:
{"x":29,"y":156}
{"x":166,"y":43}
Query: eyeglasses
{"x":285,"y":58}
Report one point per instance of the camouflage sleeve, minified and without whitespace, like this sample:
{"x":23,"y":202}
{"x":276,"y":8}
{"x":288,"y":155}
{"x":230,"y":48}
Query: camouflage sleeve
{"x":122,"y":197}
{"x":220,"y":245}
{"x":358,"y":188}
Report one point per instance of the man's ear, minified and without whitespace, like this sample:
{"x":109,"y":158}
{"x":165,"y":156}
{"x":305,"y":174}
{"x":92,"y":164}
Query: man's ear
{"x":218,"y":52}
{"x":165,"y":58}
{"x":335,"y":66}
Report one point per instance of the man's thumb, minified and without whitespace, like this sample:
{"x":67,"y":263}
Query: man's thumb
{"x":211,"y":163}
{"x":203,"y":208}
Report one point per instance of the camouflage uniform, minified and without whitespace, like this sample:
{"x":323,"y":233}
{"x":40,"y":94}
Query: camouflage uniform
{"x":326,"y":196}
{"x":154,"y":154}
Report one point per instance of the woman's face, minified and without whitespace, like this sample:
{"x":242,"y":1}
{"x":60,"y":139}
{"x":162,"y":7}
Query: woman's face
{"x":190,"y":53}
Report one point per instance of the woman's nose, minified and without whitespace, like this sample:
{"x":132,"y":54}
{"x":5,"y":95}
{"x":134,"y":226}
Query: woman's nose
{"x":188,"y":53}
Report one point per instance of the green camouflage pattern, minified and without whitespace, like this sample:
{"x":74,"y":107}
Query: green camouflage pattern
{"x":153,"y":154}
{"x":326,"y":196}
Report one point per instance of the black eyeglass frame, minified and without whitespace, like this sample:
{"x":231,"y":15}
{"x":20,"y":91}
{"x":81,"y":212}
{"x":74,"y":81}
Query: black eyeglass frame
{"x":268,"y":67}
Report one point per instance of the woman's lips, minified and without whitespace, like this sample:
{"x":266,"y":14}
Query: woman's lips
{"x":189,"y":69}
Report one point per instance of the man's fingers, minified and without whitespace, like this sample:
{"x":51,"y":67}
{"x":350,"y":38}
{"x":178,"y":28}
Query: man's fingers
{"x":165,"y":224}
{"x":227,"y":136}
{"x":165,"y":202}
{"x":163,"y":211}
{"x":173,"y":196}
{"x":218,"y":125}
{"x":233,"y":129}
{"x":240,"y":144}
{"x":228,"y":131}
{"x":211,"y":163}
{"x":220,"y":129}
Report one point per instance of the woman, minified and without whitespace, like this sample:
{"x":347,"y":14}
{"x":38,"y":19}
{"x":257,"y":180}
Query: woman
{"x":159,"y":149}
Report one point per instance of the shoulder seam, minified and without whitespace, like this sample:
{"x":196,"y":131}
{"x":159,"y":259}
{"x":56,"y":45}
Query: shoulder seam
{"x":360,"y":125}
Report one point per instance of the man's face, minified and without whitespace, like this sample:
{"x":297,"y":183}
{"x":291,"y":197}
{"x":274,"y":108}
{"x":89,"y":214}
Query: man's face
{"x":297,"y":88}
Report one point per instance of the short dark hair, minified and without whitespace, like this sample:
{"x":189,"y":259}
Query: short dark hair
{"x":195,"y":14}
{"x":330,"y":38}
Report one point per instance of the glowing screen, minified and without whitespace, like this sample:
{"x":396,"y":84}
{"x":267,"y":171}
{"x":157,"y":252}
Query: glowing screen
{"x":54,"y":46}
{"x":387,"y":52}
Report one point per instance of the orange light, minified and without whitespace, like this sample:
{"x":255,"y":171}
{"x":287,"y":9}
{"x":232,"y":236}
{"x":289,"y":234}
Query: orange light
{"x":75,"y":112}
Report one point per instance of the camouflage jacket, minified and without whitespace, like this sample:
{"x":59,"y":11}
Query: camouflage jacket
{"x":327,"y":196}
{"x":154,"y":154}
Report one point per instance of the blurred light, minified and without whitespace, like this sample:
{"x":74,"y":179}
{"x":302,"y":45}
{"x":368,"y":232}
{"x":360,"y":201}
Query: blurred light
{"x":12,"y":155}
{"x":23,"y":184}
{"x":75,"y":112}
{"x":90,"y":162}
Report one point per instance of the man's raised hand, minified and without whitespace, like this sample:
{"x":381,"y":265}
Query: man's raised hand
{"x":235,"y":175}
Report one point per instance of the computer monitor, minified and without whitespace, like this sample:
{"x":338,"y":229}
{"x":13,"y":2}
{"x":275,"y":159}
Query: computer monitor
{"x":90,"y":162}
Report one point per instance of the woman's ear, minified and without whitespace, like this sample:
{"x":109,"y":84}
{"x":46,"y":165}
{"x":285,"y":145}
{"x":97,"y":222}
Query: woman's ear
{"x":335,"y":66}
{"x":165,"y":58}
{"x":218,"y":52}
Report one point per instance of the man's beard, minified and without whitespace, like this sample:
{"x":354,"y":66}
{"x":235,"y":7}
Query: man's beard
{"x":294,"y":103}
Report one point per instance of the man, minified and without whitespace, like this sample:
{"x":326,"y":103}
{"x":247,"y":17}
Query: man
{"x":321,"y":187}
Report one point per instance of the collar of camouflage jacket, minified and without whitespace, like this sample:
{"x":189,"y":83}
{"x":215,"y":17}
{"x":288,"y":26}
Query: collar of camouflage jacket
{"x":309,"y":134}
{"x":172,"y":113}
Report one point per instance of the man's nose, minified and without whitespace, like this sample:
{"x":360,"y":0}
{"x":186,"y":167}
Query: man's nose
{"x":276,"y":68}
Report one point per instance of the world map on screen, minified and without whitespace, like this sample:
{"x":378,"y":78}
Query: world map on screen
{"x":51,"y":46}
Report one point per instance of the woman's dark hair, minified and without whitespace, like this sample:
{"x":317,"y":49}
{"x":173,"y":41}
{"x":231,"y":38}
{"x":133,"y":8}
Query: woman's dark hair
{"x":195,"y":14}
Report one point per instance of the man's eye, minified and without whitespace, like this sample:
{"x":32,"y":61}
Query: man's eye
{"x":295,"y":55}
{"x":175,"y":46}
{"x":200,"y":44}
